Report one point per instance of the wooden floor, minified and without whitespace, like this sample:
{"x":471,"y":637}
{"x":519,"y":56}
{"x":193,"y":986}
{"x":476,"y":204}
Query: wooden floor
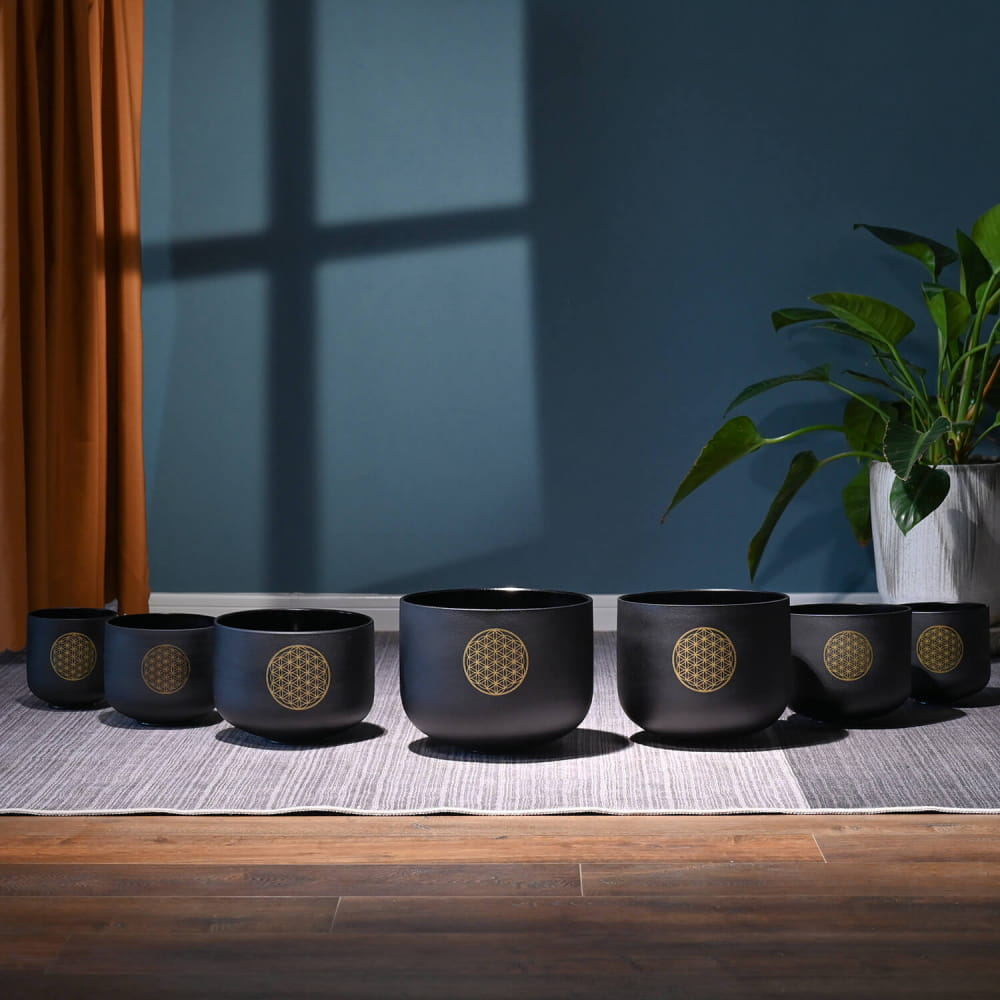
{"x":470,"y":907}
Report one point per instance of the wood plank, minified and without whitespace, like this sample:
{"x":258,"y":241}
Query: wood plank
{"x":948,"y":984}
{"x":315,"y":839}
{"x":63,"y":915}
{"x":688,"y":918}
{"x":158,"y":848}
{"x":911,"y":846}
{"x":480,"y":957}
{"x":450,"y":825}
{"x":955,"y":880}
{"x":24,"y":951}
{"x":289,"y":880}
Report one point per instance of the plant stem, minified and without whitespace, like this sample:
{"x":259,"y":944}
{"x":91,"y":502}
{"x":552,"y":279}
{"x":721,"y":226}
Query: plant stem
{"x":805,"y":430}
{"x":861,"y":399}
{"x":989,"y":384}
{"x":965,"y":392}
{"x":918,"y":389}
{"x":977,"y":407}
{"x":849,"y":454}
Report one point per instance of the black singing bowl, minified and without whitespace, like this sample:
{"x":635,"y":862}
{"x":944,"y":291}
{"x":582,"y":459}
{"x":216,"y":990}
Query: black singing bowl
{"x":703,"y":663}
{"x":950,"y":652}
{"x":294,"y":676}
{"x":66,"y":655}
{"x":158,"y":667}
{"x":495,"y":669}
{"x":850,"y":662}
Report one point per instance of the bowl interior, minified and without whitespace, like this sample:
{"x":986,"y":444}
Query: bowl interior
{"x":164,"y":620}
{"x":293,"y":620}
{"x":843,"y":610}
{"x":939,"y":606}
{"x":704,"y":598}
{"x":58,"y":613}
{"x":496,"y":599}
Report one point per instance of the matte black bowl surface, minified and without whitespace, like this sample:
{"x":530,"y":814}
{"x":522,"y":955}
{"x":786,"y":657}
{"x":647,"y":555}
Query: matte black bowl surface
{"x":950,"y":651}
{"x":65,"y":658}
{"x":703,"y":663}
{"x":496,"y":669}
{"x":158,"y":667}
{"x":851,"y":661}
{"x":294,"y":675}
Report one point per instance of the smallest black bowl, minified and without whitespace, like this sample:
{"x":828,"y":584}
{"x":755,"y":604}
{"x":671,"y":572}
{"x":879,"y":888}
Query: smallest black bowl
{"x":851,"y":662}
{"x":294,"y":675}
{"x":66,"y":655}
{"x":158,"y":667}
{"x":950,"y":654}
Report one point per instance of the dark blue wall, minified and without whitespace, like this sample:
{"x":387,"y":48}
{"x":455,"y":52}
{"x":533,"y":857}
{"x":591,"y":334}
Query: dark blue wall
{"x":451,"y":292}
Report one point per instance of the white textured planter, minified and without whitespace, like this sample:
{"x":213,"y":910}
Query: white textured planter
{"x":952,"y":555}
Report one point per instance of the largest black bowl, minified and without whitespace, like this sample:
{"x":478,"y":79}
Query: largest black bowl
{"x":295,"y":675}
{"x":703,"y":663}
{"x":496,"y":668}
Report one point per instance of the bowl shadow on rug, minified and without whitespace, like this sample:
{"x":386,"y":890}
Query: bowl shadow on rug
{"x":910,"y":715}
{"x":578,"y":744}
{"x":785,"y":734}
{"x":360,"y":733}
{"x":37,"y":705}
{"x":987,"y":698}
{"x":116,"y":720}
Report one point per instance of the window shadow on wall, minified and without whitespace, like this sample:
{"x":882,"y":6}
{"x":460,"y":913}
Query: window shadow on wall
{"x":287,"y":253}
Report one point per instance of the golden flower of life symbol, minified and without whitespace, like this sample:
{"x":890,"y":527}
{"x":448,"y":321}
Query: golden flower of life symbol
{"x":940,"y":649}
{"x":704,"y":659}
{"x":298,"y":677}
{"x":495,"y":661}
{"x":165,"y":669}
{"x":848,"y":655}
{"x":73,"y":656}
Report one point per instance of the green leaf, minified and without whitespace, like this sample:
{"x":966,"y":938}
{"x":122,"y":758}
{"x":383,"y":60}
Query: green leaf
{"x":872,"y":316}
{"x":857,"y":504}
{"x":821,"y":373}
{"x":904,"y":445}
{"x":863,"y":427}
{"x":803,"y":465}
{"x":976,"y":270}
{"x":950,"y":310}
{"x":786,"y":317}
{"x":986,"y":235}
{"x":933,"y":255}
{"x":736,"y":438}
{"x":911,"y":500}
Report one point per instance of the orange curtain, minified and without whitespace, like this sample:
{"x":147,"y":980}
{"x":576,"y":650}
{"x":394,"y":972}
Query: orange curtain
{"x":72,"y":493}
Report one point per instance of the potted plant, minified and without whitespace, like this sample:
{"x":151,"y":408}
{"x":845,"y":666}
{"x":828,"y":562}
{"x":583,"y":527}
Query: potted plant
{"x":912,"y":431}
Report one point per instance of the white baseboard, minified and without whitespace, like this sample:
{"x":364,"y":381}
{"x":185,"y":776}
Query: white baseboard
{"x":384,"y":608}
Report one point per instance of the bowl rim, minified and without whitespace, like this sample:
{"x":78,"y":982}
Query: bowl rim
{"x":449,"y":599}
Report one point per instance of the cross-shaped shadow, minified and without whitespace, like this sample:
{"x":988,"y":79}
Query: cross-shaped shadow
{"x":288,"y":251}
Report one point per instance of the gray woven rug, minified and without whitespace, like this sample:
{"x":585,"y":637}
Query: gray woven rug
{"x":99,"y":762}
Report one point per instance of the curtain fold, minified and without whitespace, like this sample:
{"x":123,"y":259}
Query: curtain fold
{"x":72,"y":487}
